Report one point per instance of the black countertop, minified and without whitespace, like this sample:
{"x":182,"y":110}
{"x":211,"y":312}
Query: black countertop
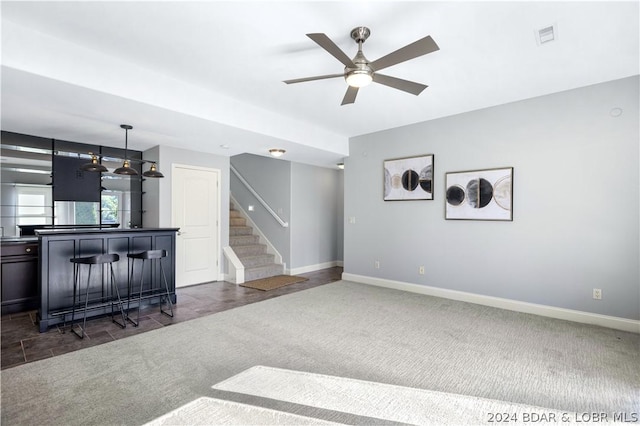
{"x":49,"y":232}
{"x":18,"y":240}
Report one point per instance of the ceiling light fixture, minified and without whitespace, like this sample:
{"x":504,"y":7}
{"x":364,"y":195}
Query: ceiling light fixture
{"x":340,"y":166}
{"x":153,"y":172}
{"x":126,"y":168}
{"x":94,"y":165}
{"x":359,"y":78}
{"x":276,"y":152}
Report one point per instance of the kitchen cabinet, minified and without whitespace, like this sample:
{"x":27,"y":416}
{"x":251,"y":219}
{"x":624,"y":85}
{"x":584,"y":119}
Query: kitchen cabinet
{"x":19,"y":276}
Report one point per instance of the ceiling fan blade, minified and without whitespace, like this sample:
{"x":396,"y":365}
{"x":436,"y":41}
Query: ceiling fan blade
{"x":327,"y":44}
{"x":350,"y":96}
{"x":400,"y":84}
{"x":318,"y":77}
{"x":417,"y":48}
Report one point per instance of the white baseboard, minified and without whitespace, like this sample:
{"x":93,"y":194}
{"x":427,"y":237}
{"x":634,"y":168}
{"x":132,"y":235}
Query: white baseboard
{"x":617,"y":323}
{"x":312,"y":268}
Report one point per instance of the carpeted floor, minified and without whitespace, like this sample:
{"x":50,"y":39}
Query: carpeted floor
{"x":341,"y":329}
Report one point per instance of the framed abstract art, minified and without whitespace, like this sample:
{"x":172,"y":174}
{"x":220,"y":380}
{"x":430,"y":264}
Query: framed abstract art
{"x":408,"y":178}
{"x":479,"y":194}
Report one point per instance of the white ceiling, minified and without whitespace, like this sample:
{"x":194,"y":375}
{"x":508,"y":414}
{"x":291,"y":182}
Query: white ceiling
{"x":199,"y":75}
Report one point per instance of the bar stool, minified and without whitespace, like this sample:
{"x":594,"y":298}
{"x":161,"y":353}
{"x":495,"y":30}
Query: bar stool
{"x":100,"y":259}
{"x":149,"y":255}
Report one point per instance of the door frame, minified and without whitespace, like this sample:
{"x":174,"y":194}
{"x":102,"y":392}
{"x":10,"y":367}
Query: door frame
{"x":218,"y":207}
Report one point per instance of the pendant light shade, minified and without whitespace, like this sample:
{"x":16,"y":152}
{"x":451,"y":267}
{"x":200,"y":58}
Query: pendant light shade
{"x":126,"y":168}
{"x":93,"y":166}
{"x":153,"y":172}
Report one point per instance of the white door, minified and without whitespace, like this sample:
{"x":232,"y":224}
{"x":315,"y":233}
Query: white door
{"x":195,"y":205}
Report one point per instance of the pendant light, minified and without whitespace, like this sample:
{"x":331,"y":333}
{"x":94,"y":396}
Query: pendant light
{"x":94,"y":165}
{"x":153,"y":172}
{"x":126,"y":168}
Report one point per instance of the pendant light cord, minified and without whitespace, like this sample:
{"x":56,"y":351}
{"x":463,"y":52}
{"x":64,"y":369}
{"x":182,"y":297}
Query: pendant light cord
{"x":126,"y":142}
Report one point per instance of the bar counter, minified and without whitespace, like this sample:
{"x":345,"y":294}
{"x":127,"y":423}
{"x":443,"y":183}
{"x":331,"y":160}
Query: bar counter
{"x":55,"y":271}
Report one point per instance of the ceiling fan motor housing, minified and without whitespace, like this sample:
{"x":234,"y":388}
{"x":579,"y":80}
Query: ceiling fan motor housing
{"x":362,"y":73}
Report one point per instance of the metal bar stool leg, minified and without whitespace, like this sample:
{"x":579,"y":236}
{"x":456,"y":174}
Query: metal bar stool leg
{"x":129,"y":290}
{"x":123,"y":324}
{"x":168,"y":296}
{"x":75,"y":285}
{"x":86,"y":305}
{"x":137,"y":321}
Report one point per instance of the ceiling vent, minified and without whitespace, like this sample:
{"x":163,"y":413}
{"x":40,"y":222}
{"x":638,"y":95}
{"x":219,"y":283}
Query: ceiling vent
{"x":547,"y":34}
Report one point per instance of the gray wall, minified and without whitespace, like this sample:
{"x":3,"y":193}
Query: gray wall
{"x":316,"y":223}
{"x":340,"y":215}
{"x":576,"y":203}
{"x":157,"y":199}
{"x":151,"y":188}
{"x":271,"y":179}
{"x":310,"y":198}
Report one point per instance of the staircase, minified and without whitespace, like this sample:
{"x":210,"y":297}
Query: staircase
{"x":253,"y":255}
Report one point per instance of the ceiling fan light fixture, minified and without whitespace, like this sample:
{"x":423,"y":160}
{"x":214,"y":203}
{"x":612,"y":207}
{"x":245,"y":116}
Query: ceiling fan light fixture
{"x":276,"y":152}
{"x":359,"y":78}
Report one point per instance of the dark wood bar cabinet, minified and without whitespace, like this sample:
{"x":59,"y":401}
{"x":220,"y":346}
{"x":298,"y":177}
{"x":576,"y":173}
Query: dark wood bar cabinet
{"x":56,"y":272}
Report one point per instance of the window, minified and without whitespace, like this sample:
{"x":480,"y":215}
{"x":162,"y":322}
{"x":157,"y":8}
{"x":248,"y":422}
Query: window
{"x":111,"y":208}
{"x":33,"y":205}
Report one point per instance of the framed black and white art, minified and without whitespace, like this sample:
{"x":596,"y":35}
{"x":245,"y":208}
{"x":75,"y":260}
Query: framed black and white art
{"x":408,"y":178}
{"x":479,"y":194}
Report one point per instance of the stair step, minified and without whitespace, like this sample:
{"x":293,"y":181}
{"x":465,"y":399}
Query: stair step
{"x":257,"y":260}
{"x":264,"y":271}
{"x":250,"y":250}
{"x":237,"y":221}
{"x":243,"y":240}
{"x":240,"y":230}
{"x":234,"y":213}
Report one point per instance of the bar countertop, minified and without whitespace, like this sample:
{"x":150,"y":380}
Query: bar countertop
{"x":19,"y":240}
{"x":50,"y":232}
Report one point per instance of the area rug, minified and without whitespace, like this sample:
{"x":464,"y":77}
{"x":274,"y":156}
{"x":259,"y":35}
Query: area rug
{"x":386,"y":402}
{"x":212,"y":411}
{"x":272,"y":283}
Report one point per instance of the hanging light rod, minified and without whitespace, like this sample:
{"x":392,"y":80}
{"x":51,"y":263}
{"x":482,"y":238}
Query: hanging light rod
{"x":126,"y":168}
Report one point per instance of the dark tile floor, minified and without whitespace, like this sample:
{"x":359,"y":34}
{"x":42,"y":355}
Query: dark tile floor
{"x":22,"y":343}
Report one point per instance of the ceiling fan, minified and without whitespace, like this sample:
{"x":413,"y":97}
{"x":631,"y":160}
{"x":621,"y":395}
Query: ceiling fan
{"x":358,"y":72}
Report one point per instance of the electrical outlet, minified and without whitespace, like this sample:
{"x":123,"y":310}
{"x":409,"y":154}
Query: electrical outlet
{"x":597,"y":294}
{"x":352,"y":219}
{"x":377,"y":264}
{"x":421,"y":270}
